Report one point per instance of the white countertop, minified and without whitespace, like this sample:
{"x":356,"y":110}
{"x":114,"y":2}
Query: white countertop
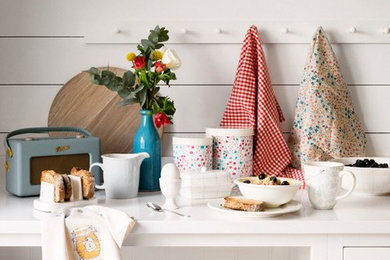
{"x":358,"y":214}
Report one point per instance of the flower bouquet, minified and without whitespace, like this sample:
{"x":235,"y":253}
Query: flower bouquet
{"x":153,"y":64}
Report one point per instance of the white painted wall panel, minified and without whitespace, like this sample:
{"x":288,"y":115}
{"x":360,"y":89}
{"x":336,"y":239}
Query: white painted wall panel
{"x":47,"y":17}
{"x":198,"y":107}
{"x":56,"y":60}
{"x":25,"y":106}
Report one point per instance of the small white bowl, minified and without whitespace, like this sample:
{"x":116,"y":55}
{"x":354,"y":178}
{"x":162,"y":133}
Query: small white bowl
{"x":373,"y":181}
{"x":272,"y":195}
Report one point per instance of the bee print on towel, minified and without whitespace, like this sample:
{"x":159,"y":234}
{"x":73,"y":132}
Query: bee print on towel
{"x":86,"y":242}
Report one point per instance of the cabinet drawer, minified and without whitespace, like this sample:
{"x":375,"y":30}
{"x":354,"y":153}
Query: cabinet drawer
{"x":364,"y":253}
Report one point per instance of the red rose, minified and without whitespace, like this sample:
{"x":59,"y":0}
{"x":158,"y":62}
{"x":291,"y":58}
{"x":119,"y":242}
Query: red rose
{"x":139,"y":62}
{"x":161,"y":119}
{"x":159,"y":66}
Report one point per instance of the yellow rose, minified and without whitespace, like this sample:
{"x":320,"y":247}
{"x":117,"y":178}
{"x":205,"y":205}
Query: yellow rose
{"x":157,"y":55}
{"x":130,"y":56}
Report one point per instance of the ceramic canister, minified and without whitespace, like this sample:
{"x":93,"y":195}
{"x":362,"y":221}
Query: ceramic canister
{"x":192,"y":153}
{"x":232,"y":150}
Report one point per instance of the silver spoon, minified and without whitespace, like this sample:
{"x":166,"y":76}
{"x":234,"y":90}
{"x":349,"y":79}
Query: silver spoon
{"x":158,"y":208}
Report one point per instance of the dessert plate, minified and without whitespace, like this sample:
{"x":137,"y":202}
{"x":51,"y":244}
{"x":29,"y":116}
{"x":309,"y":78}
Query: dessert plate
{"x":289,"y":207}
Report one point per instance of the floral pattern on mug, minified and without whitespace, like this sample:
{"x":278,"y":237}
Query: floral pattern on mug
{"x":233,"y":154}
{"x":192,"y":157}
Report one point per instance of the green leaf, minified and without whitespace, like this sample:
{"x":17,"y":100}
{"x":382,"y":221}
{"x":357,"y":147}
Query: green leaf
{"x":146,"y":43}
{"x":143,"y":79}
{"x":142,"y":96}
{"x":95,"y":79}
{"x":124,"y":93}
{"x":126,"y":102}
{"x":155,"y":107}
{"x":167,"y":76}
{"x":153,"y":37}
{"x":158,"y":46}
{"x":93,"y":71}
{"x":107,"y":77}
{"x":163,"y":35}
{"x":128,"y":79}
{"x":138,"y":88}
{"x":168,"y":106}
{"x":107,"y":73}
{"x":164,"y":105}
{"x":149,"y":64}
{"x":115,"y":84}
{"x":141,"y":49}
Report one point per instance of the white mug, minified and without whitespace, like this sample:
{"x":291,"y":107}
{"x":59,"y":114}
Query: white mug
{"x":121,"y":174}
{"x":323,"y":182}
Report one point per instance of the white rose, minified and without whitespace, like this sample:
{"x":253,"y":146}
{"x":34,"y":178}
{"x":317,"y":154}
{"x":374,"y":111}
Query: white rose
{"x":171,"y":59}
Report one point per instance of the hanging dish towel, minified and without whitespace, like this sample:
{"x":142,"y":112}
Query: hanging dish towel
{"x":326,"y":125}
{"x":92,"y":232}
{"x":253,"y":104}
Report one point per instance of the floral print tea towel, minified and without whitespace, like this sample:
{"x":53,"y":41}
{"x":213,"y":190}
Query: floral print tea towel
{"x":326,"y":125}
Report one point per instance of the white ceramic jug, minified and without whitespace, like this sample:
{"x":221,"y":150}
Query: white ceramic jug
{"x":121,"y":174}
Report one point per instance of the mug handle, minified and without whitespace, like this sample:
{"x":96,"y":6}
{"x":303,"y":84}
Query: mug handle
{"x":99,"y":187}
{"x":343,"y":173}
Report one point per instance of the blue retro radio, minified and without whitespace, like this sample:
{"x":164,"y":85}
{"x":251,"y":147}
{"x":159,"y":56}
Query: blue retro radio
{"x":27,"y":157}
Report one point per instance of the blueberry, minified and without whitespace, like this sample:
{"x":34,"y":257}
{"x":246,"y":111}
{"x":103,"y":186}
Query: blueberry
{"x":247,"y":181}
{"x":274,"y":179}
{"x":385,"y":165}
{"x":261,"y":176}
{"x":285,"y":183}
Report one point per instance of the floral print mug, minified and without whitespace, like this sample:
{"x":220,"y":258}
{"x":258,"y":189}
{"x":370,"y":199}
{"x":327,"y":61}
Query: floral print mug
{"x":192,"y":153}
{"x":232,"y":150}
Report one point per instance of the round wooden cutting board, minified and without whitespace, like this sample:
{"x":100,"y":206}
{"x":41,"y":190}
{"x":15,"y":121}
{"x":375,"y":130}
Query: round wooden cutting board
{"x":80,"y":103}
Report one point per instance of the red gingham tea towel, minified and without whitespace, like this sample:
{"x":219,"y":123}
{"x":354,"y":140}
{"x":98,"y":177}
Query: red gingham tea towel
{"x":253,"y":104}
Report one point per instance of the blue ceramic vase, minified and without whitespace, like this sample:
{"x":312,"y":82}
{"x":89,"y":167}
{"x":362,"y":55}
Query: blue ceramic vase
{"x":146,"y":139}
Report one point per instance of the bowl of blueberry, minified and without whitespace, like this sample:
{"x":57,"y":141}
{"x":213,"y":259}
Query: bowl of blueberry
{"x":372,"y":174}
{"x":273,"y":191}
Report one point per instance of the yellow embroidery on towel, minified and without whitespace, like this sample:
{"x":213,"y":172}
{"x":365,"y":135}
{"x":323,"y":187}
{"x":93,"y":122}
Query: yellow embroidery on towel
{"x":86,"y":242}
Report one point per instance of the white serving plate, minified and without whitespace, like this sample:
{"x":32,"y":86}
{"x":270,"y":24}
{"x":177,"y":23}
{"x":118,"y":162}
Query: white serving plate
{"x":290,"y":207}
{"x":271,"y":195}
{"x":372,"y":181}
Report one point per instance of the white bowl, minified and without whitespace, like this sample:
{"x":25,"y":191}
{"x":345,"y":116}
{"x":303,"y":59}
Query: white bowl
{"x":271,"y":195}
{"x":373,"y":181}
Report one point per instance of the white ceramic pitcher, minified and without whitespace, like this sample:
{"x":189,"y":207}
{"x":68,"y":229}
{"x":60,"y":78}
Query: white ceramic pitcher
{"x":121,"y":174}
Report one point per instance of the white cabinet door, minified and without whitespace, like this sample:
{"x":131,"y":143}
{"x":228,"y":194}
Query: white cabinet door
{"x":365,"y":253}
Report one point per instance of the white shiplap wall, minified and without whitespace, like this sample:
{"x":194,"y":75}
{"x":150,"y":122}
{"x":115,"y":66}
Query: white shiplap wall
{"x":43,"y":43}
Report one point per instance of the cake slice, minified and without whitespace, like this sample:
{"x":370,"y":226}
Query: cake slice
{"x":243,"y":204}
{"x":57,"y":180}
{"x":87,"y":181}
